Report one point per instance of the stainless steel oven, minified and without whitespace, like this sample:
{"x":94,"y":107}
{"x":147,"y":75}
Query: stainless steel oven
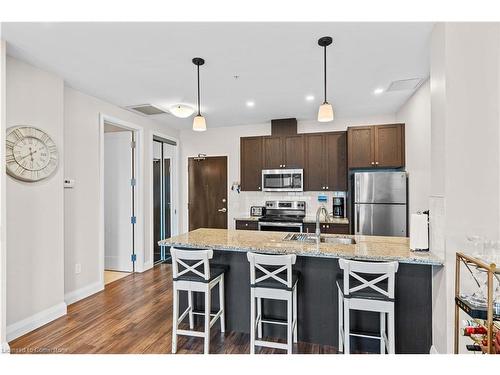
{"x":282,"y":180}
{"x":283,"y":216}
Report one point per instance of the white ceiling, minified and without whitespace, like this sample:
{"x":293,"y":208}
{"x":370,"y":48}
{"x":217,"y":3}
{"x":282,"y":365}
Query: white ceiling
{"x":278,"y":64}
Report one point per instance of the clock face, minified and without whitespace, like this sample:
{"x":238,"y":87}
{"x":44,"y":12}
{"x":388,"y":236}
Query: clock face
{"x":31,"y":154}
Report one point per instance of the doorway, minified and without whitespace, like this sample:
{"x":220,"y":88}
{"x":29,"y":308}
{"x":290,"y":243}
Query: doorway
{"x":119,"y":179}
{"x":207,"y":202}
{"x":164,"y":212}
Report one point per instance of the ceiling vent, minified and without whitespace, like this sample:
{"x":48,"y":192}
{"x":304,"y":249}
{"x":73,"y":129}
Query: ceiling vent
{"x":147,"y":109}
{"x":404,"y":84}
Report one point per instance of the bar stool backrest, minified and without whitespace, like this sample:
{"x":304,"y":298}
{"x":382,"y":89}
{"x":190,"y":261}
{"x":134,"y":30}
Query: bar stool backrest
{"x":271,"y":266}
{"x":380,"y":271}
{"x":186,"y":261}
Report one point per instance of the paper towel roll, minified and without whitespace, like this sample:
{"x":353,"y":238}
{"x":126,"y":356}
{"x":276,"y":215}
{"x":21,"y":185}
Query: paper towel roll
{"x":419,"y":232}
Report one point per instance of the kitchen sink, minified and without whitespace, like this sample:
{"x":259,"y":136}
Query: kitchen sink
{"x":307,"y":237}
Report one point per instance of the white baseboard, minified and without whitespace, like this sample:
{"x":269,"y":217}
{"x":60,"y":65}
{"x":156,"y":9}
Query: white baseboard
{"x":433,"y":350}
{"x":82,"y":293}
{"x":147,"y":266}
{"x":35,"y":321}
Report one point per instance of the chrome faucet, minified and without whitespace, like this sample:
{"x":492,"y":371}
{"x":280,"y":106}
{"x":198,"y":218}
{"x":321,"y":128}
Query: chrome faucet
{"x":321,"y":209}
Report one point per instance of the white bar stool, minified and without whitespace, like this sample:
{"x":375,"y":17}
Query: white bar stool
{"x":271,"y":277}
{"x":367,"y":286}
{"x":188,"y":277}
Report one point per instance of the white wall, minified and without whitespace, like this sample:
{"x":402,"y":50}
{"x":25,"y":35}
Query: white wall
{"x":416,"y":115}
{"x":81,"y":137}
{"x":465,"y":92}
{"x":3,"y":218}
{"x":225,"y":141}
{"x":35,"y":213}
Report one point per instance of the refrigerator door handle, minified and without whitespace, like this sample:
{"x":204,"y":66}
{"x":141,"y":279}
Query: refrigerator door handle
{"x":356,"y":222}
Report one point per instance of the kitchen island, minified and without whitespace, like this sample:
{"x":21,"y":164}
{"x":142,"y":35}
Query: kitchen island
{"x":317,"y":292}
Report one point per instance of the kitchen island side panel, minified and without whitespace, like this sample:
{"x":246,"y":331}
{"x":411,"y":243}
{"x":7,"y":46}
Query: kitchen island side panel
{"x":318,"y":304}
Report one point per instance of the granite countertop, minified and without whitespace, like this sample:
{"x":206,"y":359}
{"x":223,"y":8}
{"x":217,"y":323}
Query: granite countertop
{"x":307,"y":219}
{"x":366,"y":247}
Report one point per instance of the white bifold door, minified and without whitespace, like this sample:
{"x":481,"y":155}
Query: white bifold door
{"x":118,"y":201}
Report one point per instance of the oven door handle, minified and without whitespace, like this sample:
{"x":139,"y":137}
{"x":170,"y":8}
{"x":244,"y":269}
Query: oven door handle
{"x":273,"y":224}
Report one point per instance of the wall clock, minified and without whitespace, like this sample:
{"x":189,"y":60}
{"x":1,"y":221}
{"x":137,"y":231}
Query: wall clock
{"x":31,"y":154}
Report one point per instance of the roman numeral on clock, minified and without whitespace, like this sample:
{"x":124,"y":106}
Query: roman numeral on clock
{"x":18,"y":134}
{"x":10,"y":159}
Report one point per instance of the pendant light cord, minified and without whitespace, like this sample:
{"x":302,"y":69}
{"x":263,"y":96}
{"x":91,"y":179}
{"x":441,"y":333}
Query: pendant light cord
{"x":198,"y":68}
{"x":324,"y":56}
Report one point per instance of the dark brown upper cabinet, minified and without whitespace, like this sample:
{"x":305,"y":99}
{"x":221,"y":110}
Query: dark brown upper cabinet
{"x":272,"y":152}
{"x":326,"y":161}
{"x":293,"y":151}
{"x":361,"y":147}
{"x":283,"y":152}
{"x":315,"y":169}
{"x":336,"y":161}
{"x":251,"y":163}
{"x":376,"y":146}
{"x":390,"y":146}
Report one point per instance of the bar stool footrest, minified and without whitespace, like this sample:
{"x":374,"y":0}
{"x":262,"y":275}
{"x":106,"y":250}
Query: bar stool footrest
{"x":368,"y":335}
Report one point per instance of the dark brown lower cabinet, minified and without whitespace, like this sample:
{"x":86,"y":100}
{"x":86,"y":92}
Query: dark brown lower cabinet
{"x":327,"y":228}
{"x":247,"y":225}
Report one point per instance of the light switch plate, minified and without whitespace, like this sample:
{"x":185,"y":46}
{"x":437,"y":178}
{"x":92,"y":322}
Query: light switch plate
{"x":69,"y":183}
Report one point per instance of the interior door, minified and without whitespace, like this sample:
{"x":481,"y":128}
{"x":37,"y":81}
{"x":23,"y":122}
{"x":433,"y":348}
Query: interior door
{"x":207,"y":192}
{"x":157,"y":212}
{"x":118,"y":201}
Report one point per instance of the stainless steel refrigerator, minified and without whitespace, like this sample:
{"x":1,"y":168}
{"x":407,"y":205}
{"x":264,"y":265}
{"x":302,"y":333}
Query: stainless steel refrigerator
{"x":380,"y":203}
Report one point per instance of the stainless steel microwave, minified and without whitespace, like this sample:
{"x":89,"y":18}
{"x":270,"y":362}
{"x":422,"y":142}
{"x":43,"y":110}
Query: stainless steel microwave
{"x":282,"y":180}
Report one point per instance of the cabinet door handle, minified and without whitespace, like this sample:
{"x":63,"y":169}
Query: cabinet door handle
{"x":327,"y":188}
{"x":376,"y":163}
{"x":373,"y":163}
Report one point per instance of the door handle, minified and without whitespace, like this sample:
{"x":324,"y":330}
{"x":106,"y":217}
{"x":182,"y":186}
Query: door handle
{"x":356,"y":229}
{"x":222,"y":210}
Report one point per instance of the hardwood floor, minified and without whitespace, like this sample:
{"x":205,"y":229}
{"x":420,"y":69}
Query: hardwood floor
{"x":133,"y":315}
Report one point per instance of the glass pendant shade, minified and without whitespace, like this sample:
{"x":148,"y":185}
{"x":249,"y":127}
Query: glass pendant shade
{"x":199,"y":124}
{"x":325,"y":112}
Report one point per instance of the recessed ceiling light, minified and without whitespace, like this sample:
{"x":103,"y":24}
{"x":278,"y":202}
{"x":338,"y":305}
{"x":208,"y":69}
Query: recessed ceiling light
{"x":250,"y":103}
{"x":181,"y":110}
{"x":378,"y":91}
{"x":310,"y":98}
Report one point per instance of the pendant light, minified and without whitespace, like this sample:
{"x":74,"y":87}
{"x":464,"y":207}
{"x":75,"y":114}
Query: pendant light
{"x":199,"y":123}
{"x":325,"y":112}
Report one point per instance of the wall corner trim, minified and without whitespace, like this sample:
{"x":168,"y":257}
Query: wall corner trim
{"x":5,"y":349}
{"x":82,"y":293}
{"x":35,"y":321}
